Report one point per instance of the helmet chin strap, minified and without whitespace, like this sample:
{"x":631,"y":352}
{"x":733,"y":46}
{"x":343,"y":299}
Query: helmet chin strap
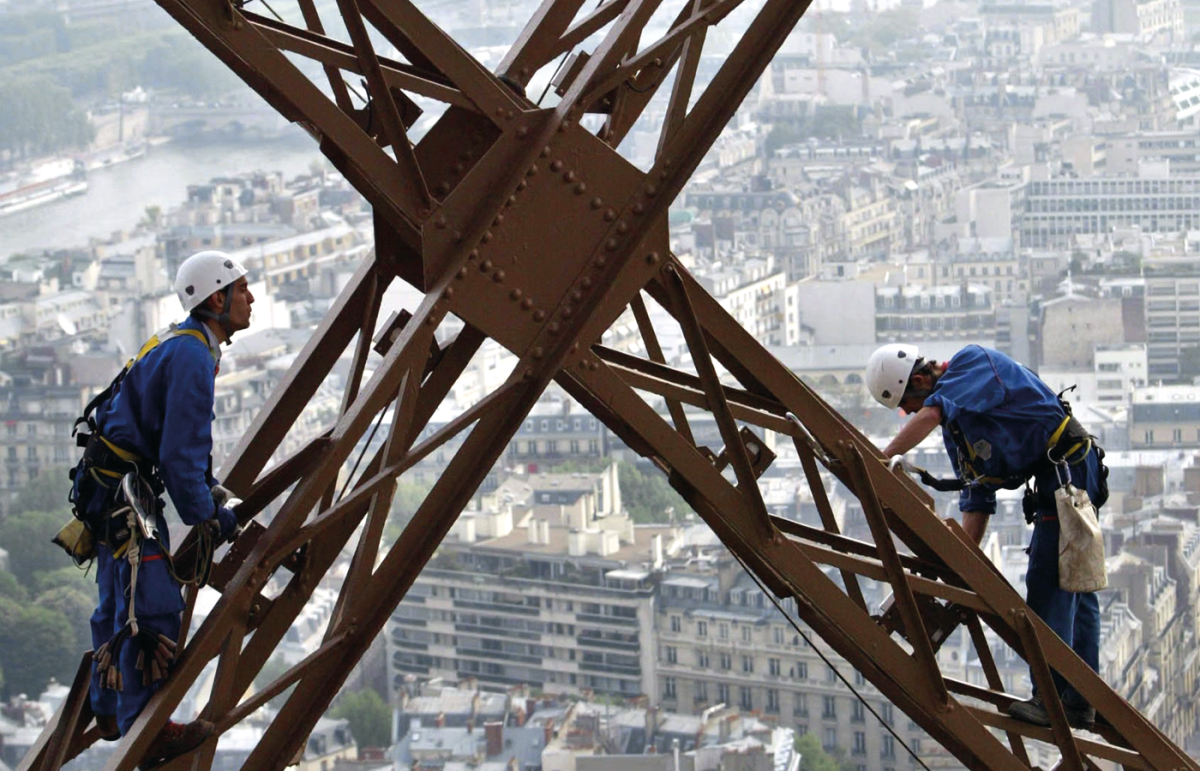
{"x":222,"y":318}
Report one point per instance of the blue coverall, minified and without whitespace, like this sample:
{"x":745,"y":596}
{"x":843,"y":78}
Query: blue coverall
{"x":1005,"y":414}
{"x":163,"y":412}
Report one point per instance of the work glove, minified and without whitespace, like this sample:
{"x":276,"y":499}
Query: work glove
{"x":221,"y":496}
{"x":227,"y":523}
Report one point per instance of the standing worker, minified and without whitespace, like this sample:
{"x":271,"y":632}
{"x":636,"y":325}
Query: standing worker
{"x":155,"y":420}
{"x":1002,"y":426}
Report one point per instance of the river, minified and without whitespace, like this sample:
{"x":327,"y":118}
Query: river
{"x":117,"y":196}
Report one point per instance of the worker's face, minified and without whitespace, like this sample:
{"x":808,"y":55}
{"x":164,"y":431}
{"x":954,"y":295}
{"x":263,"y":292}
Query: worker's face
{"x":239,"y":305}
{"x":918,"y":390}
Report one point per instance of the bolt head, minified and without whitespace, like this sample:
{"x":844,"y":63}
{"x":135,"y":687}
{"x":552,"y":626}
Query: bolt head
{"x":539,"y":315}
{"x":538,"y":352}
{"x":486,"y":237}
{"x":522,"y":132}
{"x":569,"y":176}
{"x":609,"y":215}
{"x":556,"y":166}
{"x":485,"y":266}
{"x":443,"y":188}
{"x":638,"y":208}
{"x":532,"y":170}
{"x":652,"y":258}
{"x":515,"y":294}
{"x":611,"y":245}
{"x":581,"y":188}
{"x":526,"y":304}
{"x":498,"y":276}
{"x":622,"y":227}
{"x":553,"y":327}
{"x":597,"y":202}
{"x":439,"y":221}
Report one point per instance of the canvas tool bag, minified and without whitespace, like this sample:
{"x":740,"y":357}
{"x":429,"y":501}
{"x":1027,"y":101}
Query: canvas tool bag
{"x":1080,"y":543}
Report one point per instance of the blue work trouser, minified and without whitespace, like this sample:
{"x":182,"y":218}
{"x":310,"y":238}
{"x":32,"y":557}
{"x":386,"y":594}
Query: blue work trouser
{"x":1074,"y":617}
{"x":159,"y":605}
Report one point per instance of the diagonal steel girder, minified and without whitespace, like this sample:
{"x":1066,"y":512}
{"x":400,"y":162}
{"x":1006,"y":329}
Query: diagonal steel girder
{"x":532,"y":231}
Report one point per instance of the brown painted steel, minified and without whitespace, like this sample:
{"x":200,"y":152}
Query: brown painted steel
{"x":529,"y":228}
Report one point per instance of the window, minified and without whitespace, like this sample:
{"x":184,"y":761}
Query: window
{"x":773,"y":667}
{"x":722,"y":693}
{"x":829,"y":707}
{"x":669,"y":687}
{"x":676,"y":624}
{"x":746,"y":633}
{"x":801,"y":705}
{"x":726,"y":661}
{"x":702,"y":659}
{"x":723,"y":631}
{"x":747,"y":664}
{"x":887,"y":713}
{"x":672,"y":655}
{"x":860,"y":743}
{"x":857,"y":713}
{"x":702,"y":629}
{"x":801,"y":670}
{"x":777,"y":635}
{"x":745,"y":698}
{"x":829,"y":740}
{"x":701,"y":691}
{"x":772,"y":700}
{"x":887,"y":747}
{"x":830,"y":674}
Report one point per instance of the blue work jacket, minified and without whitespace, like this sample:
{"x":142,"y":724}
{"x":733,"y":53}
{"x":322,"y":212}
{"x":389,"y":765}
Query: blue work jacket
{"x":163,"y":412}
{"x":1004,"y":415}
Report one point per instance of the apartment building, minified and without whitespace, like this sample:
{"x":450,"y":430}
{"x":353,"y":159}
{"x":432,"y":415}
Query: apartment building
{"x":1181,"y":149}
{"x":1057,"y":210}
{"x":1164,"y":417}
{"x":911,"y":313}
{"x":1172,"y":313}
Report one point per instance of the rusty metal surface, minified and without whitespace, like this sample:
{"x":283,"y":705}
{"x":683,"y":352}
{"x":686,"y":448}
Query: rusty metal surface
{"x":530,"y":229}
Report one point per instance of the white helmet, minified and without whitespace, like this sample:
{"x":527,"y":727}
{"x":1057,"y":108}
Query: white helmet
{"x":888,"y":371}
{"x":204,"y":273}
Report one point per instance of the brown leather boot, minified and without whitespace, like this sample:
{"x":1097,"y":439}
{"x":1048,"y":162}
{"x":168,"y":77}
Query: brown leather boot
{"x":107,"y":726}
{"x":175,"y":739}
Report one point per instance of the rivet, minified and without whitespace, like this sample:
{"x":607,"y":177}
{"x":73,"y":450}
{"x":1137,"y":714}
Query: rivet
{"x":443,"y":187}
{"x":458,"y":168}
{"x":462,"y":272}
{"x":566,"y":124}
{"x":524,"y":72}
{"x":567,"y":312}
{"x":439,"y":221}
{"x":545,"y":151}
{"x":666,"y":163}
{"x":538,"y":352}
{"x":499,"y":112}
{"x":581,"y":188}
{"x":512,"y":199}
{"x":487,"y":236}
{"x":458,"y":236}
{"x":556,"y":166}
{"x":527,"y":374}
{"x":609,"y":215}
{"x":522,"y":185}
{"x":499,"y":219}
{"x":657,"y":62}
{"x":586,"y":283}
{"x":539,"y":315}
{"x":611,"y":244}
{"x":622,"y":227}
{"x":638,"y":208}
{"x":553,"y":327}
{"x":597,"y":202}
{"x":522,"y":132}
{"x":485,"y":266}
{"x":664,"y":174}
{"x":515,"y":294}
{"x":526,"y":304}
{"x":498,"y":276}
{"x":510,"y":114}
{"x":569,"y":176}
{"x":652,"y":258}
{"x":430,"y":321}
{"x":574,"y":347}
{"x":474,"y":255}
{"x":533,"y":169}
{"x":670,"y":268}
{"x":651,"y":190}
{"x":448,"y":293}
{"x":600,"y":261}
{"x":576,"y":296}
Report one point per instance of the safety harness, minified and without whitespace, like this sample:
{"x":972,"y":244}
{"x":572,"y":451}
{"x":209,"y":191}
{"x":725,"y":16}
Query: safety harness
{"x":1069,"y":444}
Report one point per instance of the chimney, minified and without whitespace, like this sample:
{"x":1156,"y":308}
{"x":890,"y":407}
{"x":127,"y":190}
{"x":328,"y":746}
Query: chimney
{"x":494,"y":730}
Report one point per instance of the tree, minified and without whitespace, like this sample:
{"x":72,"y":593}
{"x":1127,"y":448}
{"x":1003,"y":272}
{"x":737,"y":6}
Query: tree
{"x":27,"y":537}
{"x":272,"y":671}
{"x":45,"y":492}
{"x":814,"y":758}
{"x":648,"y":496}
{"x":37,"y":644}
{"x":76,"y":607}
{"x":69,"y":577}
{"x":11,"y":588}
{"x":370,"y":718}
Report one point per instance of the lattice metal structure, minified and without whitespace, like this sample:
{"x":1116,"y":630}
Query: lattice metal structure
{"x":533,"y":231}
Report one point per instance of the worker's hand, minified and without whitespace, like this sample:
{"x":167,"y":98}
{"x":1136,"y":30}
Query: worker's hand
{"x":221,"y":496}
{"x":228,"y":524}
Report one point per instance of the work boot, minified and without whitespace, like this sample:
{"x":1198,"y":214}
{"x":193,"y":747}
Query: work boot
{"x":174,"y":740}
{"x":108,"y":728}
{"x":1080,"y":716}
{"x":1030,"y":711}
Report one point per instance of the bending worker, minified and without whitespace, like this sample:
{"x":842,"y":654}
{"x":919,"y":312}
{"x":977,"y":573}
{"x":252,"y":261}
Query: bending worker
{"x":156,"y":419}
{"x":1002,"y":426}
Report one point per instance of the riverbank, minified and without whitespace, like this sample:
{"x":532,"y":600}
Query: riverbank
{"x":118,"y":195}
